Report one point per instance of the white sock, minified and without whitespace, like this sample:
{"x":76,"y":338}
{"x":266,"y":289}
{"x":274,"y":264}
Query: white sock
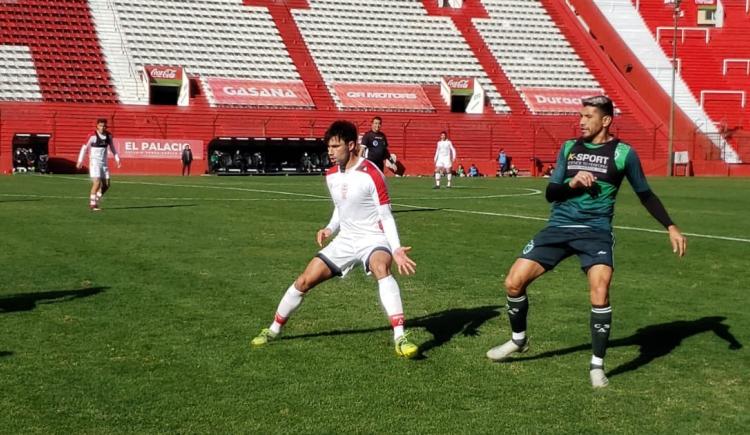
{"x":518,"y":336}
{"x":449,"y":178}
{"x":596,"y":361}
{"x":437,"y":178}
{"x":92,"y":199}
{"x":99,"y":195}
{"x":289,"y":303}
{"x":390,"y":297}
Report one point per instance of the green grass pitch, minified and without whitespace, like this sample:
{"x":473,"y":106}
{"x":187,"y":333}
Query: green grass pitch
{"x":137,"y":319}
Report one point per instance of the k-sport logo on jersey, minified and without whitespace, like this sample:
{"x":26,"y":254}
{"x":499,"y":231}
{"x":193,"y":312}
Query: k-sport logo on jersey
{"x":593,"y":158}
{"x":588,"y":162}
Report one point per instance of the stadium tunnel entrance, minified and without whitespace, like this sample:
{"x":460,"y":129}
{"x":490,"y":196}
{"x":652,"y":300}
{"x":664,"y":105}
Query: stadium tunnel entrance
{"x":267,"y":156}
{"x":30,"y":152}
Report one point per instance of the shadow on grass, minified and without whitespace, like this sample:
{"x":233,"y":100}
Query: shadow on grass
{"x":443,"y":326}
{"x":655,"y":341}
{"x":135,"y":207}
{"x":4,"y":353}
{"x":29,"y":301}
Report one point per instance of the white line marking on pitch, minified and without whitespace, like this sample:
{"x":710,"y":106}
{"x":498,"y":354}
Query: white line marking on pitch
{"x":515,"y":216}
{"x":530,"y":192}
{"x":534,"y":218}
{"x":199,"y":186}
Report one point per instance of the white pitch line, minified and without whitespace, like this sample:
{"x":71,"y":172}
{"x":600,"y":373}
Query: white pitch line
{"x":199,"y":186}
{"x":530,"y":192}
{"x":484,"y":213}
{"x":165,"y":198}
{"x":619,"y":227}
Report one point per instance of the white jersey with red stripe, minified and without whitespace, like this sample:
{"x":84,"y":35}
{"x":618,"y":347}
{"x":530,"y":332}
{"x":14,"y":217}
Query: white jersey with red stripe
{"x":362,"y":203}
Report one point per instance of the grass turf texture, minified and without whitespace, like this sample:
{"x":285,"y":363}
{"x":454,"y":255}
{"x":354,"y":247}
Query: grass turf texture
{"x":137,"y":319}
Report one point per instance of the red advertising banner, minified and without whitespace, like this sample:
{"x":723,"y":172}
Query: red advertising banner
{"x":246,"y":92}
{"x":382,"y":96}
{"x":170,"y":149}
{"x":541,"y":100}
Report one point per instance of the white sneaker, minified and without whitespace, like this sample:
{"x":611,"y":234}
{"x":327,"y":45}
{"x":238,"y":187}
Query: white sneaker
{"x":598,"y":378}
{"x":505,"y":350}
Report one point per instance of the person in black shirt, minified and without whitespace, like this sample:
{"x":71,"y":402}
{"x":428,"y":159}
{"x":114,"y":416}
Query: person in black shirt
{"x":374,"y":145}
{"x":187,"y":159}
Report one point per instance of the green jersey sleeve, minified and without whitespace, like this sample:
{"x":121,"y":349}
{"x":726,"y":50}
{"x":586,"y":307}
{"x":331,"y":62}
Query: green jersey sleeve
{"x":634,"y":172}
{"x":561,"y":167}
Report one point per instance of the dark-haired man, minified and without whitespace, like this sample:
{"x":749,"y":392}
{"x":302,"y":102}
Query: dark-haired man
{"x":375,"y":145}
{"x":582,"y":190}
{"x":97,"y":145}
{"x":367,"y":235}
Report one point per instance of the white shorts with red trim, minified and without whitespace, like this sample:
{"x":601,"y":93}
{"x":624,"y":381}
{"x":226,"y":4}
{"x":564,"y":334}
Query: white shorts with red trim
{"x":343,"y":253}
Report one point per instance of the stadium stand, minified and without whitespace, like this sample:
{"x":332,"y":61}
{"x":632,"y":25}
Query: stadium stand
{"x":18,"y":79}
{"x":387,"y":42}
{"x":713,"y":62}
{"x":530,"y":47}
{"x":260,"y":70}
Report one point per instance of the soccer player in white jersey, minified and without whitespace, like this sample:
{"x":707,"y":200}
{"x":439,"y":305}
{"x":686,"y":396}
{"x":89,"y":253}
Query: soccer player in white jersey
{"x":367,"y":235}
{"x":96,"y":145}
{"x":445,"y":155}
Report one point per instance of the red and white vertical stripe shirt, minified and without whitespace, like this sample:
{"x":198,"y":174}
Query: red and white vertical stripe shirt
{"x":362,"y":204}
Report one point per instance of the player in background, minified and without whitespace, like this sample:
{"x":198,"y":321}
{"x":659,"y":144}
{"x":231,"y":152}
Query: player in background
{"x":445,"y":155}
{"x":96,"y":145}
{"x":582,"y":191}
{"x":367,"y":234}
{"x":374,"y":145}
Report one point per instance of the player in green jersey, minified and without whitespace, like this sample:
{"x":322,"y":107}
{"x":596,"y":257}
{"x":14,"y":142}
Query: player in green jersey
{"x":582,"y":191}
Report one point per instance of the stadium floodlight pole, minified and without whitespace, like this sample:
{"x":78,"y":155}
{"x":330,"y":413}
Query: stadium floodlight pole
{"x":670,"y":148}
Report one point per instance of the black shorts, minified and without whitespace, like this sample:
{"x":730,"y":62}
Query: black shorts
{"x":554,"y":244}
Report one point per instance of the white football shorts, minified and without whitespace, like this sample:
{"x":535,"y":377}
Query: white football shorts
{"x":98,"y":170}
{"x":443,"y":163}
{"x":343,"y":253}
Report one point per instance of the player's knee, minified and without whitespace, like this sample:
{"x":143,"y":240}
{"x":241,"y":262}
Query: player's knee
{"x":514,"y":287}
{"x":303,"y":283}
{"x":380,"y":269}
{"x":599,"y":295}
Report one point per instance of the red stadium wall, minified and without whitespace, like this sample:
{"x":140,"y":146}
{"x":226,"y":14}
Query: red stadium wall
{"x":412,"y":136}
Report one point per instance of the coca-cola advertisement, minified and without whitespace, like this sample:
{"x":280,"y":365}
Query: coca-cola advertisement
{"x":164,"y":75}
{"x":460,"y":82}
{"x":457,"y":86}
